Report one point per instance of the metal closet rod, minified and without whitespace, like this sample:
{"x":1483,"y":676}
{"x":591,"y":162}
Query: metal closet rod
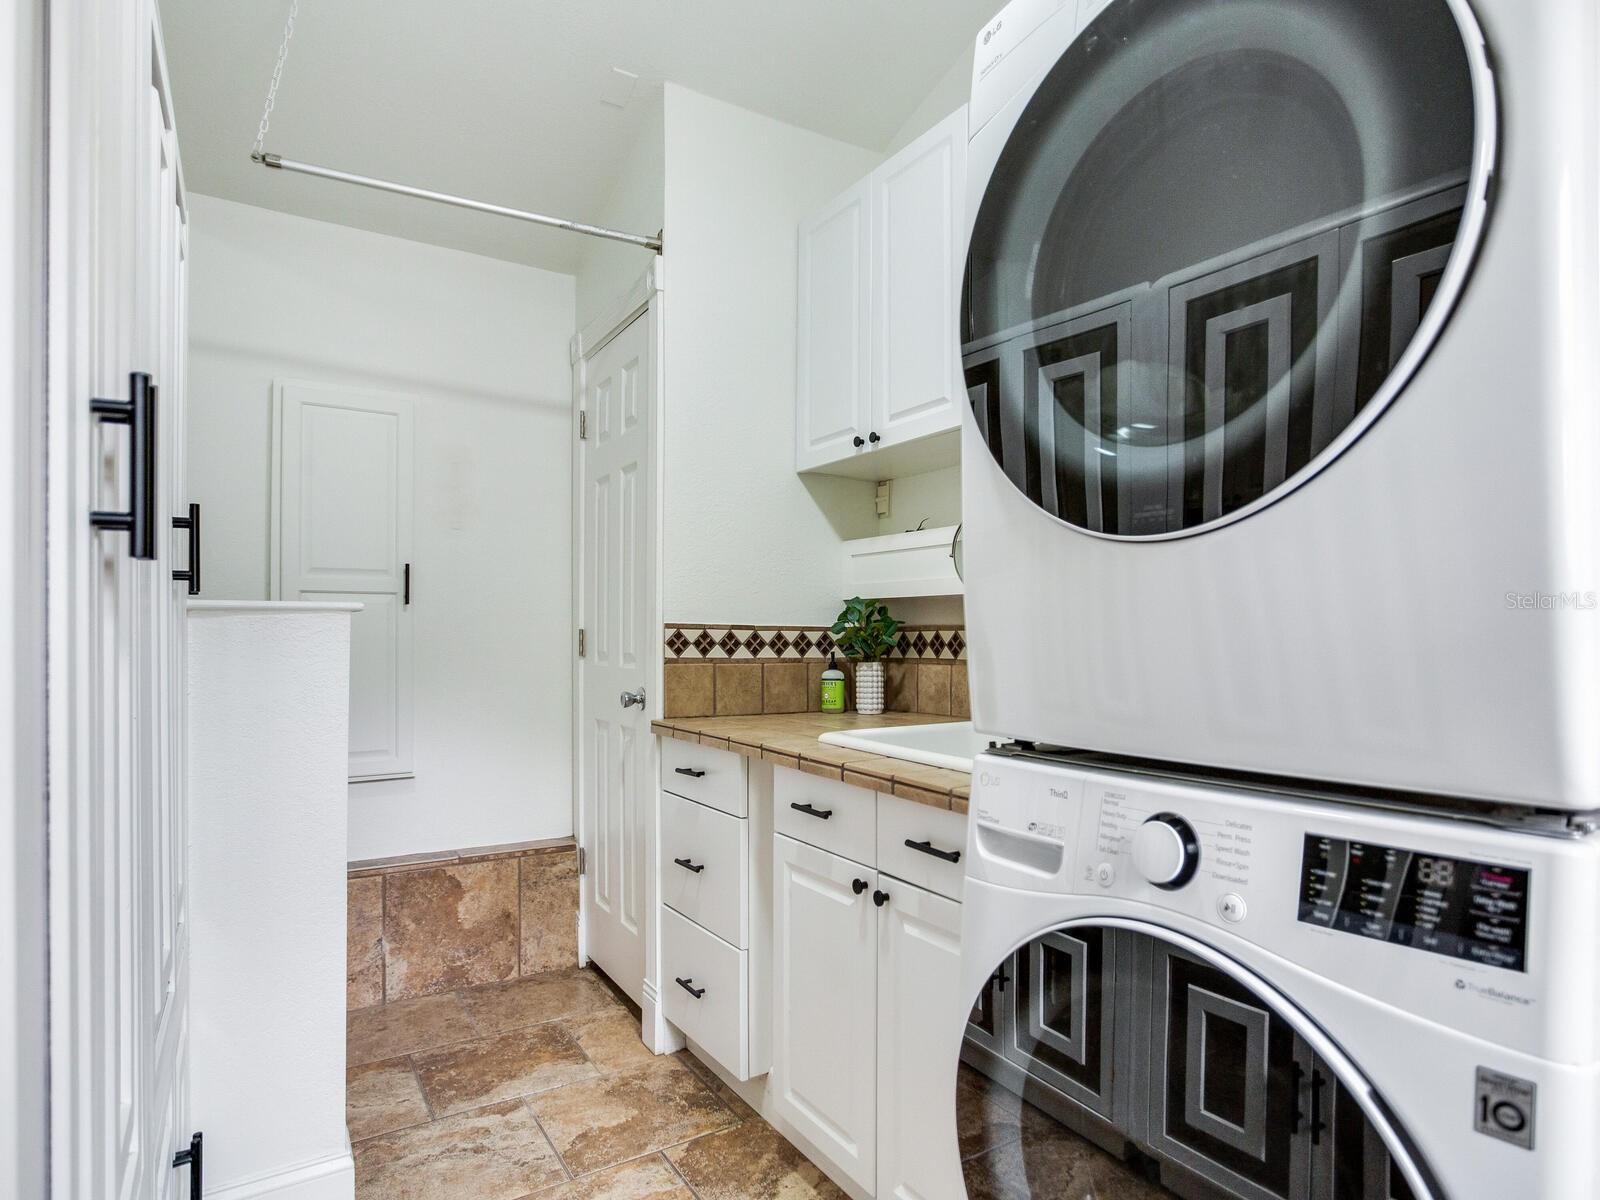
{"x":279,"y":163}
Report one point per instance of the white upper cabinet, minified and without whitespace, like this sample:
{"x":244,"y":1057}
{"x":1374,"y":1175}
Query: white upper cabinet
{"x":880,"y":274}
{"x":916,"y":280}
{"x":832,"y":359}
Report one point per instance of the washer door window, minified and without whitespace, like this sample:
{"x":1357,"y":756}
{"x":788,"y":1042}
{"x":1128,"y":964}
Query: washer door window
{"x":1131,"y":1068}
{"x":1216,"y":243}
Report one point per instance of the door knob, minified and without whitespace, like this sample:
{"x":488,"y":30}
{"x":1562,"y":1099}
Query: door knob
{"x":630,"y":699}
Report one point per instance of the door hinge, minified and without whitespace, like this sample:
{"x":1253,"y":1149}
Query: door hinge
{"x":583,"y":643}
{"x":583,"y":862}
{"x":583,"y":424}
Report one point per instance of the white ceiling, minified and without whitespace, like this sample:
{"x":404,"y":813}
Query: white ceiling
{"x":500,"y":99}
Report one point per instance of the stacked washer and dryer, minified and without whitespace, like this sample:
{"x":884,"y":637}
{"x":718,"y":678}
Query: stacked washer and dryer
{"x":1281,"y":482}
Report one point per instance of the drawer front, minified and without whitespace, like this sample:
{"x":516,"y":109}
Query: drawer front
{"x":704,"y":867}
{"x":719,"y":778}
{"x":937,"y":830}
{"x":718,"y":1019}
{"x":849,"y":827}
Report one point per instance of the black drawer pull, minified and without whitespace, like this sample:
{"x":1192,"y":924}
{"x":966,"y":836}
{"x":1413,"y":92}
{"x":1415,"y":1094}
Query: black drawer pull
{"x":858,"y":886}
{"x":691,"y":772}
{"x":687,"y":865}
{"x":688,"y":986}
{"x":192,"y":524}
{"x":822,"y":814}
{"x":138,"y":413}
{"x":949,"y":856}
{"x":880,"y":898}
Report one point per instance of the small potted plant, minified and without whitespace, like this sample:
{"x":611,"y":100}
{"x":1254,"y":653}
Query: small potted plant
{"x":866,"y":632}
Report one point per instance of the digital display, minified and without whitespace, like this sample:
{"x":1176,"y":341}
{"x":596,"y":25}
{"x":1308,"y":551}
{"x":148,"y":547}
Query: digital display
{"x":1451,"y":906}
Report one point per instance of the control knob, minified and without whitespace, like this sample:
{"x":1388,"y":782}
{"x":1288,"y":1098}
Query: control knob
{"x":1166,"y":851}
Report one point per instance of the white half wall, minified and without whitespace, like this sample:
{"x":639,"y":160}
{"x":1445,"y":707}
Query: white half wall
{"x":747,"y":540}
{"x":482,"y":345}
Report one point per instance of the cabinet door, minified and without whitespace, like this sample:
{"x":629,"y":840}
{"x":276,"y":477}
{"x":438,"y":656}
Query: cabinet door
{"x":919,"y":1012}
{"x":825,"y":973}
{"x":1063,"y":999}
{"x":986,"y":1024}
{"x":916,"y":276}
{"x":1352,"y":1162}
{"x":832,"y":396}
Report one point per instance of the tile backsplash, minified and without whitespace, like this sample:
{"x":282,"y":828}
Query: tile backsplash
{"x":745,"y":670}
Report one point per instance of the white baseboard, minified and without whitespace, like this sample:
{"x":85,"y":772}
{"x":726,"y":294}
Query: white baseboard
{"x":332,"y":1178}
{"x":660,"y":1034}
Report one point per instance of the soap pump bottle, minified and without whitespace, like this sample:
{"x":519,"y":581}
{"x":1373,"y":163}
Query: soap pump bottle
{"x":833,"y":687}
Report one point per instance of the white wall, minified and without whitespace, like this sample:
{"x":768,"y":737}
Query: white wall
{"x":636,"y":204}
{"x":762,"y":545}
{"x":950,"y":93}
{"x":482,"y":344}
{"x":268,"y":692}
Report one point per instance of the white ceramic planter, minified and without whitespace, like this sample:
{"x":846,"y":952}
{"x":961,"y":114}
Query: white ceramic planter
{"x":869,"y":688}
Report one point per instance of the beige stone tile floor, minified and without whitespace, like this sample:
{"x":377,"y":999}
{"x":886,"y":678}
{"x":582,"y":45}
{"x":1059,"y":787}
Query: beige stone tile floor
{"x":540,"y":1089}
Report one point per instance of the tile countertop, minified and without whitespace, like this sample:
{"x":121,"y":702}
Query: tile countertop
{"x":791,"y":741}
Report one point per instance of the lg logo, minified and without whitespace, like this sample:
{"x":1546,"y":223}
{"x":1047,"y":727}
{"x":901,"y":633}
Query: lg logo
{"x":992,"y":30}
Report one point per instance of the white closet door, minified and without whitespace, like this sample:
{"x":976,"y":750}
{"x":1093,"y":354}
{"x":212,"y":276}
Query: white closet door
{"x":342,"y":515}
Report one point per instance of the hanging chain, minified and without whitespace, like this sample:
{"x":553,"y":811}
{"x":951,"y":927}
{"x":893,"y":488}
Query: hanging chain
{"x":258,"y":151}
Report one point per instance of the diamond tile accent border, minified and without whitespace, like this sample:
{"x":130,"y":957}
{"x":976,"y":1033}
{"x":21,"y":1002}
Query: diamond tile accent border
{"x":682,"y":642}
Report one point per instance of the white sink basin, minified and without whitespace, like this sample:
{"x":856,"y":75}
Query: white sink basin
{"x":949,"y":744}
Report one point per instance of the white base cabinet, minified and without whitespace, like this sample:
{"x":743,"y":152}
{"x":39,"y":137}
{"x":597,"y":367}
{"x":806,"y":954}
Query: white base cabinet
{"x":866,"y":1000}
{"x":919,"y":969}
{"x":825,"y":1029}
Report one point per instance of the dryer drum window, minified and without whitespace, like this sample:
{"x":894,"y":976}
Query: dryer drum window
{"x":1133,"y":1068}
{"x":1215,"y":244}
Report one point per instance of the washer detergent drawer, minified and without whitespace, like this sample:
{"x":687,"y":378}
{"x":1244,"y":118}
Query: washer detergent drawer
{"x":719,"y":778}
{"x":705,"y":990}
{"x":831,"y":815}
{"x":704,"y":865}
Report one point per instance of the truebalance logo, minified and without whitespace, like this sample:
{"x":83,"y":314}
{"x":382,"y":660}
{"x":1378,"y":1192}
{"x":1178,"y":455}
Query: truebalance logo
{"x":1489,"y":992}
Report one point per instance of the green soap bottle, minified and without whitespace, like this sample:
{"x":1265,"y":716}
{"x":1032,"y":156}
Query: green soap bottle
{"x":833,"y":687}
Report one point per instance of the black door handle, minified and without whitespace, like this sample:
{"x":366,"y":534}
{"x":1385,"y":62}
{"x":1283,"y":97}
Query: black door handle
{"x":691,"y":772}
{"x":928,"y":848}
{"x":858,"y":886}
{"x":406,"y":602}
{"x":1318,"y":1125}
{"x":192,"y":524}
{"x":689,"y":866}
{"x":822,"y":814}
{"x":880,"y":898}
{"x":194,"y":1159}
{"x":688,"y":986}
{"x":138,"y":413}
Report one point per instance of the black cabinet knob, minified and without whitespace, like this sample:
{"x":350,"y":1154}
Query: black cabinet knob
{"x":874,"y":438}
{"x":858,"y":886}
{"x":857,"y":441}
{"x":880,"y":898}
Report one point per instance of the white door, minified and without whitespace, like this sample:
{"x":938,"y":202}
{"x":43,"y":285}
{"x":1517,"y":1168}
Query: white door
{"x":118,"y":854}
{"x":342,"y":517}
{"x":919,"y":1014}
{"x":833,"y":349}
{"x":824,"y":1019}
{"x":917,"y":199}
{"x":620,"y":647}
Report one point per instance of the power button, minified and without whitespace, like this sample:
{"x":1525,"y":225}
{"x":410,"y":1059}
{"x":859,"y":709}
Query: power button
{"x":1105,"y":874}
{"x":1232,"y":908}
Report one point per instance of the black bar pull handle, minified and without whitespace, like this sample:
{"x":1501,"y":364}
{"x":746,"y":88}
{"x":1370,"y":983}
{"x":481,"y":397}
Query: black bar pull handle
{"x":138,"y":413}
{"x":822,"y":814}
{"x":950,"y":856}
{"x":691,"y":772}
{"x":192,"y":524}
{"x":1318,"y":1125}
{"x":688,"y":986}
{"x":407,"y":602}
{"x":688,"y":865}
{"x":194,"y":1159}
